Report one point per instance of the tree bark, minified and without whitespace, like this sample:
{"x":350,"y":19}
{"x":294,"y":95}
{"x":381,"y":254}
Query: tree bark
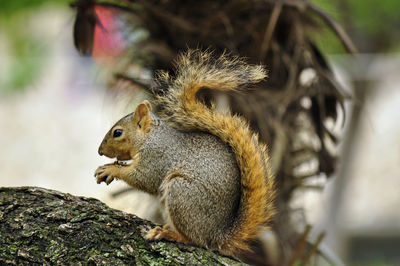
{"x":41,"y":226}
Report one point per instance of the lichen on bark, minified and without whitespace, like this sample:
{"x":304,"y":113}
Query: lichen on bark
{"x":41,"y":226}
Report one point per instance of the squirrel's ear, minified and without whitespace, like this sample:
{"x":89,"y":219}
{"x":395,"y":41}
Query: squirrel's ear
{"x":146,"y":102}
{"x":142,"y":116}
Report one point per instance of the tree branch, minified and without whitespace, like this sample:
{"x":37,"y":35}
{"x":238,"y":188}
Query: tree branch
{"x":40,"y":226}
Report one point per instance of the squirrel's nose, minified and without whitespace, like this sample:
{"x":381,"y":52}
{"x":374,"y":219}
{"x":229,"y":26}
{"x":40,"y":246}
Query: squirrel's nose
{"x":100,"y":151}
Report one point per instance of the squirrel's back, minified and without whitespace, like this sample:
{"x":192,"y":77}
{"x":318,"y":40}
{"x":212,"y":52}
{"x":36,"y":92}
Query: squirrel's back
{"x":199,"y":154}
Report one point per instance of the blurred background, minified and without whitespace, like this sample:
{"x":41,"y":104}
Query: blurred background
{"x":55,"y":110}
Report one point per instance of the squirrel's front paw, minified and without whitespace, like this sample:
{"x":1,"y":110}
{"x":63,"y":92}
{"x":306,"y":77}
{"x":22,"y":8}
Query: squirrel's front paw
{"x":107,"y":173}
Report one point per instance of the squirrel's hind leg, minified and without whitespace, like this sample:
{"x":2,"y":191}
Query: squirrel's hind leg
{"x":166,"y":232}
{"x":196,"y":218}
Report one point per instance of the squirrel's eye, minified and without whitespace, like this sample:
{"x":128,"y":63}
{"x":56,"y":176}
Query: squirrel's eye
{"x":117,"y":133}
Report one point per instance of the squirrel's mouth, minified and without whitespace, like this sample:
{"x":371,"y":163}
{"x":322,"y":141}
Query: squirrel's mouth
{"x":126,"y":160}
{"x":123,"y":160}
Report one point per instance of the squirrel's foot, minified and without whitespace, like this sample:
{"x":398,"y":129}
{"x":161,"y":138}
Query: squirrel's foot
{"x":106,"y":173}
{"x":158,"y":233}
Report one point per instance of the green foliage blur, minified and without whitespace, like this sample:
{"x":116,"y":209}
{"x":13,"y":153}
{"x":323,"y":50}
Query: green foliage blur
{"x":25,"y":53}
{"x":374,"y":26}
{"x":10,"y":8}
{"x":378,"y":22}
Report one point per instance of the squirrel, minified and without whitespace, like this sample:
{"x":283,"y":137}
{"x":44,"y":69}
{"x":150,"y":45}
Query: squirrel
{"x":208,"y":169}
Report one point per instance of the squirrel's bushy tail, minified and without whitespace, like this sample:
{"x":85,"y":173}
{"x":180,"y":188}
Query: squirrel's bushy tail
{"x":178,"y":106}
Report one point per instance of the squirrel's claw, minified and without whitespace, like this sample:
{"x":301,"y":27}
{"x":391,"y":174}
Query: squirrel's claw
{"x":109,"y":179}
{"x":106,"y":173}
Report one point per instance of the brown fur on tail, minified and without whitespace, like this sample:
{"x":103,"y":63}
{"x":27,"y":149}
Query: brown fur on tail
{"x":180,"y":108}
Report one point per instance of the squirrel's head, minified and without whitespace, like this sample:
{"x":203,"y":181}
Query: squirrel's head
{"x":125,"y":138}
